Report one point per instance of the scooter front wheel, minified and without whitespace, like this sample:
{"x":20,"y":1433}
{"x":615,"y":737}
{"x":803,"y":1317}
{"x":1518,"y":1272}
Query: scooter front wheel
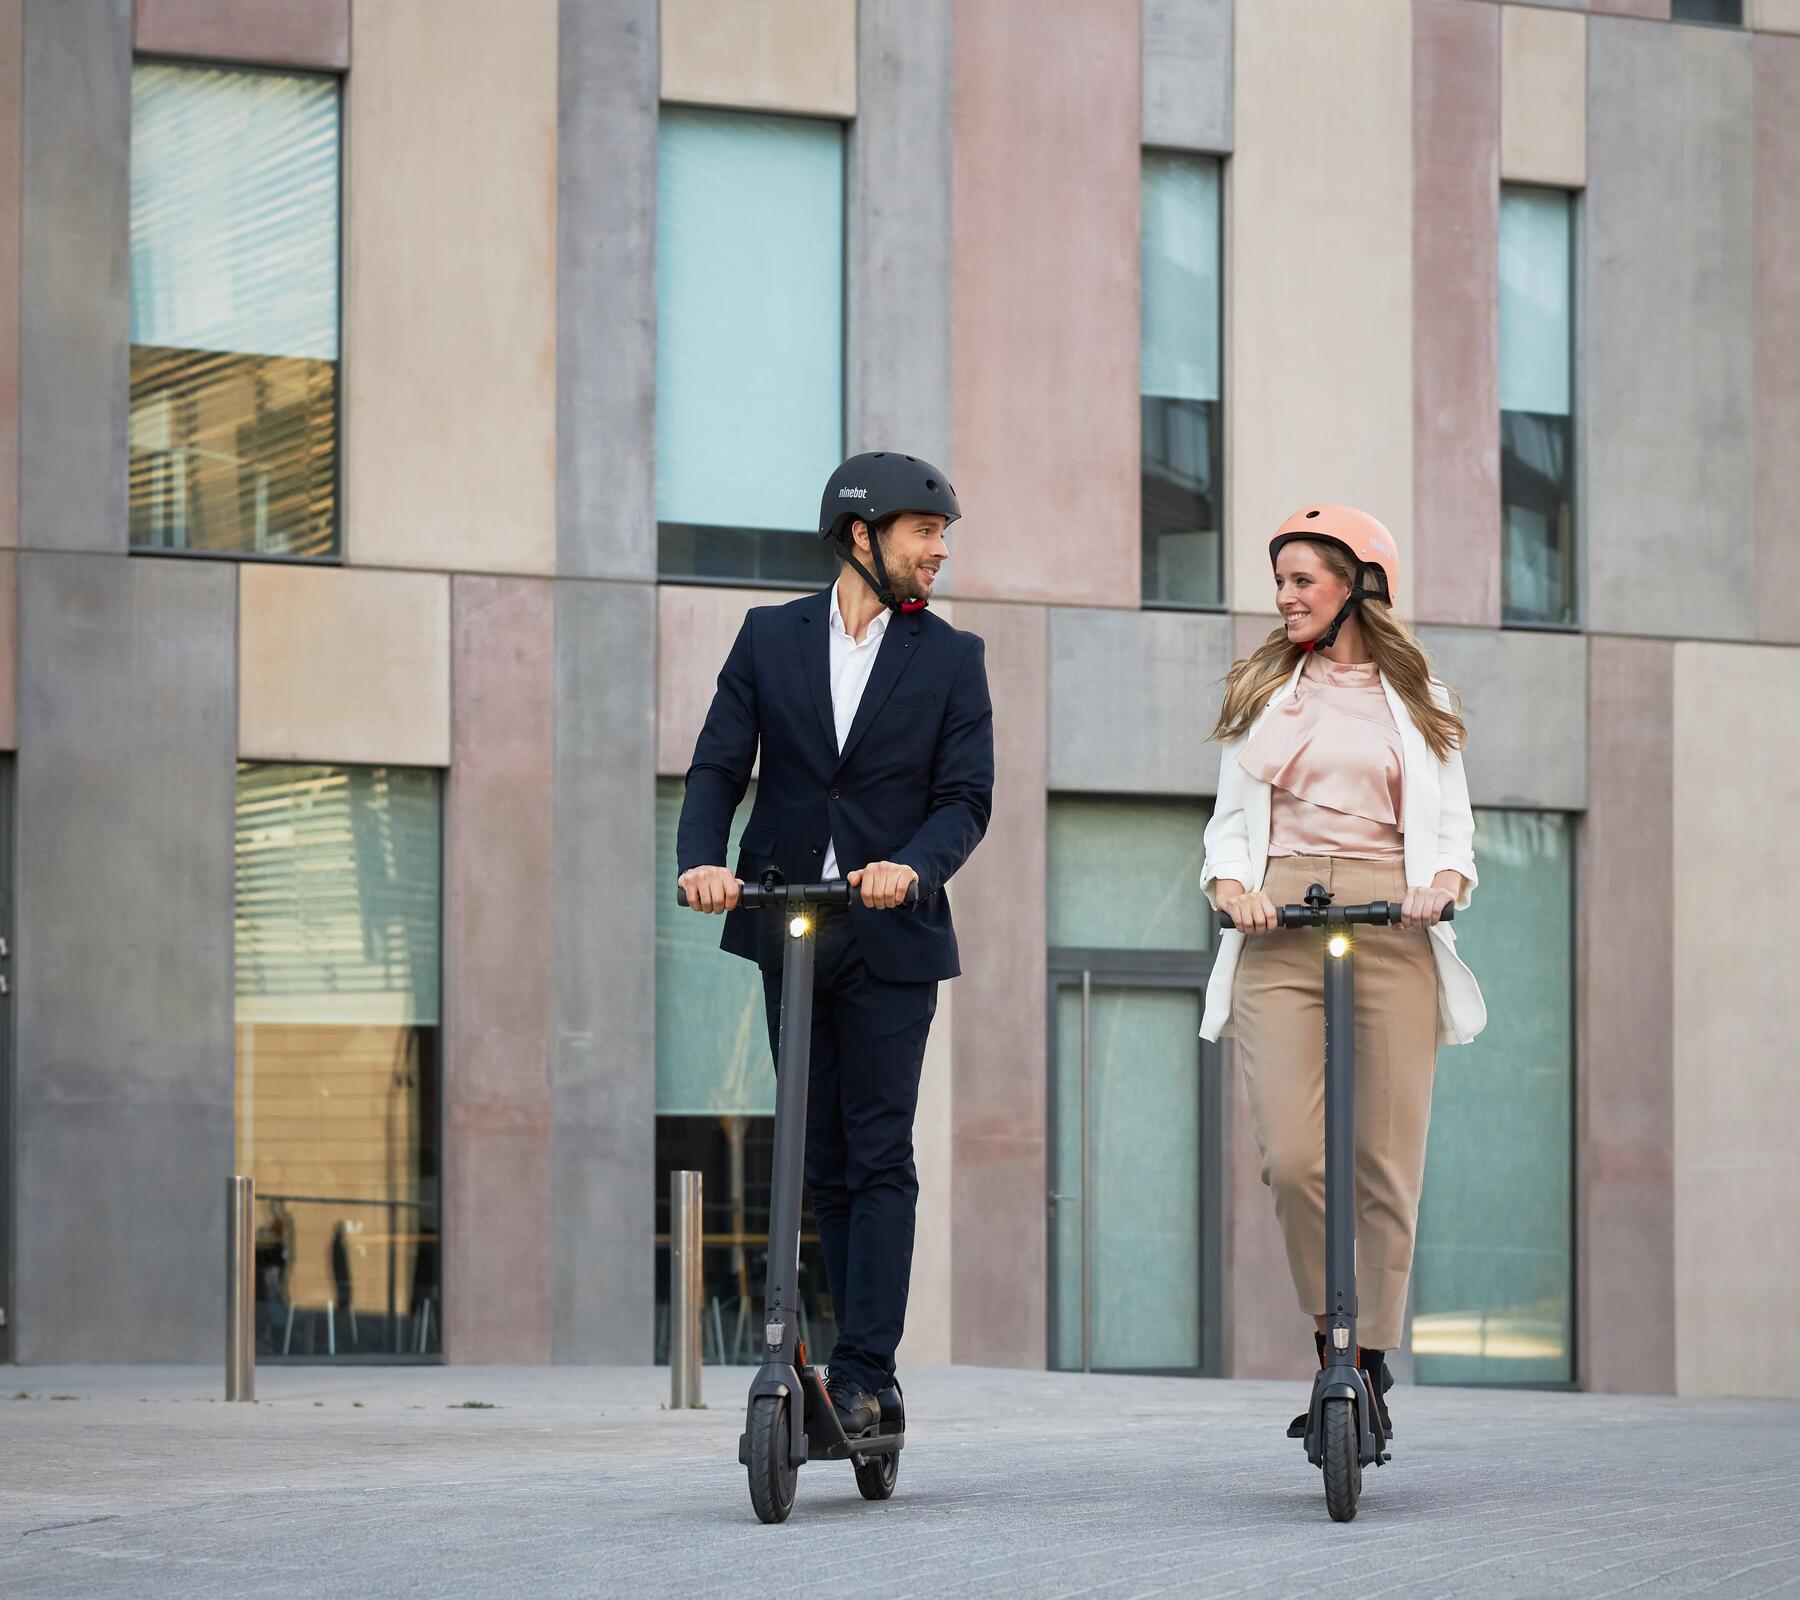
{"x":1343,"y":1463}
{"x":772,"y":1478}
{"x":875,"y":1475}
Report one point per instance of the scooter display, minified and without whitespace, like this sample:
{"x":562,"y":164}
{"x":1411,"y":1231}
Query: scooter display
{"x":791,"y":1419}
{"x":1342,"y":1430}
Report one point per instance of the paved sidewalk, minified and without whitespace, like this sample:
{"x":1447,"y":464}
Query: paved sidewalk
{"x":372,"y":1482}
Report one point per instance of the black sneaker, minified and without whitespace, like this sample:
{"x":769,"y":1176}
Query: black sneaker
{"x":859,"y":1412}
{"x":1375,"y":1369}
{"x":893,"y":1408}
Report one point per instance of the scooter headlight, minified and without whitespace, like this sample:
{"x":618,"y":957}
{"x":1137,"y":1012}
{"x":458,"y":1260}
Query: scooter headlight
{"x":799,"y":928}
{"x":1339,"y":944}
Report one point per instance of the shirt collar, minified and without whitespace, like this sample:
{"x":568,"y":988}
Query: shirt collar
{"x":876,"y":628}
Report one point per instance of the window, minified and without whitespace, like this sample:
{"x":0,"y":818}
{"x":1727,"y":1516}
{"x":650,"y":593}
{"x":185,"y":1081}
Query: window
{"x":1493,"y":1277}
{"x":1183,"y":452}
{"x":749,"y":344}
{"x":1537,"y":432}
{"x":1724,"y":13}
{"x":338,"y":1089}
{"x":1134,"y":1151}
{"x":234,"y":311}
{"x":715,"y":1115}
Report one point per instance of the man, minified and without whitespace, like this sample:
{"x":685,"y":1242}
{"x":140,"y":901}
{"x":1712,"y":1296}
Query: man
{"x":876,"y":736}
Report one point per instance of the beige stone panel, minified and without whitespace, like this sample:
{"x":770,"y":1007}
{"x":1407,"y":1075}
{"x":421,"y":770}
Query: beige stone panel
{"x":1319,"y":386}
{"x":450,"y":291}
{"x":1543,"y":97}
{"x":1736,"y":1015}
{"x":927,"y":1337}
{"x":695,"y":627}
{"x":1775,"y":16}
{"x":9,"y":651}
{"x":340,"y":665}
{"x":762,"y":55}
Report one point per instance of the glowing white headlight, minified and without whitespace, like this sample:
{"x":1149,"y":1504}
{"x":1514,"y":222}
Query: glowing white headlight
{"x":1339,"y":944}
{"x":797,"y":928}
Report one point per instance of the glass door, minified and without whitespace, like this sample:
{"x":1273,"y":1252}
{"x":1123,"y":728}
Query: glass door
{"x":7,"y":1166}
{"x":1134,"y":1171}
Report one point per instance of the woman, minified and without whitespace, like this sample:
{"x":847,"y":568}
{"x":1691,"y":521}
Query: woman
{"x":1341,"y":765}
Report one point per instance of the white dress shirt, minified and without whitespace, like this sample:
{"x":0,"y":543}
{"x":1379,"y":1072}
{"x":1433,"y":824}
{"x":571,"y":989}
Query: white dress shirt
{"x":851,"y":664}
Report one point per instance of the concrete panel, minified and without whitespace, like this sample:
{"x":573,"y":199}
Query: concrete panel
{"x":998,"y":1304}
{"x":9,"y":650}
{"x":498,"y":962}
{"x":763,"y":55}
{"x":1651,"y":10}
{"x":1456,"y":312}
{"x":450,"y":295}
{"x":1625,"y":1219}
{"x":1737,"y":1097}
{"x":12,"y":87}
{"x":1668,"y":437}
{"x":899,"y":233}
{"x":1543,"y":97}
{"x":1776,"y":318}
{"x":1775,"y":16}
{"x":1187,"y":74}
{"x":272,"y":33}
{"x":1526,"y":713}
{"x":1319,"y":275}
{"x":694,"y":631}
{"x":75,"y":302}
{"x":1046,"y":315}
{"x":604,"y":1004}
{"x":606,"y":289}
{"x":1128,"y":692}
{"x":340,"y":665}
{"x":125,"y":1053}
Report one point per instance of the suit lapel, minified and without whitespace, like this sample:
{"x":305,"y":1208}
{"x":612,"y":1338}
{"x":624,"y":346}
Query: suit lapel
{"x":898,"y":647}
{"x":812,"y":635}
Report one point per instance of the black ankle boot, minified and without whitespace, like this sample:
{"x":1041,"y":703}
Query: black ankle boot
{"x":1375,"y":1369}
{"x":1297,"y":1428}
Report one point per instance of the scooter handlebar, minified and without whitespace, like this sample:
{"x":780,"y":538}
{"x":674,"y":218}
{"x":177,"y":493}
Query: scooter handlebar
{"x":837,"y":892}
{"x":1380,"y":914}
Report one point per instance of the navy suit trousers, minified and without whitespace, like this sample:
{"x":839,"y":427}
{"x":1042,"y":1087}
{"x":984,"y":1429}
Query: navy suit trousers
{"x":868,"y":1046}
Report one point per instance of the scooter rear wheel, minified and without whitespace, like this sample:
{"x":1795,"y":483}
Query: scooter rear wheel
{"x":1343,"y":1464}
{"x":876,"y":1475}
{"x":772,"y":1479}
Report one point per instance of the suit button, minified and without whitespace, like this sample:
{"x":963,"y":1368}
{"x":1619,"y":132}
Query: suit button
{"x":834,"y":794}
{"x":817,"y":851}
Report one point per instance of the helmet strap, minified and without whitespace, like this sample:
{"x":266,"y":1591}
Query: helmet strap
{"x":1357,"y":595}
{"x":878,"y":580}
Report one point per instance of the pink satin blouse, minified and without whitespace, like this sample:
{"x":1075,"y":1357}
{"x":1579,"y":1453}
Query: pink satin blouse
{"x":1331,"y":753}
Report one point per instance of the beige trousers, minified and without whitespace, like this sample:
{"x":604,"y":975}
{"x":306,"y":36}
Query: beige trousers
{"x":1278,"y":1012}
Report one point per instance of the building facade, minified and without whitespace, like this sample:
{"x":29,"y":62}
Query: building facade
{"x":402,"y":401}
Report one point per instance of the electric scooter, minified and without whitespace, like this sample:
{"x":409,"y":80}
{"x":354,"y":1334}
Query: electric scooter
{"x":791,"y":1419}
{"x":1342,"y":1432}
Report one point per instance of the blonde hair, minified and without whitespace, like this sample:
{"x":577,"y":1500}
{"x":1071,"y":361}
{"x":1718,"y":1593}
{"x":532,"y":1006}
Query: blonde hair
{"x":1400,"y":657}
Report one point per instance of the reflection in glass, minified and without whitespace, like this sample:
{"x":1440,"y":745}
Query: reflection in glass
{"x":1493,"y":1275}
{"x":1725,"y":13}
{"x":1125,"y":874}
{"x":234,"y":310}
{"x":338,"y":1084}
{"x":1143,"y":1138}
{"x":1537,"y":495}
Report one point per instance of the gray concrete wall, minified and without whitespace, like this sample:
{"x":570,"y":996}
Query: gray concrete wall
{"x":1187,"y":74}
{"x":1667,"y":429}
{"x":899,"y":230}
{"x":75,"y":303}
{"x":1524,"y":700}
{"x":606,"y":289}
{"x":604,"y":1001}
{"x":124,"y":1063}
{"x":1132,"y":697}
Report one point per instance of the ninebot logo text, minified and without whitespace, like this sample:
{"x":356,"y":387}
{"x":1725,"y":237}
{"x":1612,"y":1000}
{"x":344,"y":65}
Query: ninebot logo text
{"x":853,"y":494}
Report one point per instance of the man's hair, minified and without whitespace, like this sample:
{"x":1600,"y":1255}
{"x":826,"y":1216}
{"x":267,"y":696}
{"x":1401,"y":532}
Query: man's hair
{"x":846,"y":539}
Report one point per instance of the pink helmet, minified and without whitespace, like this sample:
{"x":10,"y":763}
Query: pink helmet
{"x":1360,"y":536}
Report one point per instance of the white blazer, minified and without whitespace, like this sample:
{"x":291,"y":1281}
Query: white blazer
{"x":1439,"y":833}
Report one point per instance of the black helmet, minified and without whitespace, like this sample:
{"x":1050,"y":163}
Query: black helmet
{"x":875,"y":485}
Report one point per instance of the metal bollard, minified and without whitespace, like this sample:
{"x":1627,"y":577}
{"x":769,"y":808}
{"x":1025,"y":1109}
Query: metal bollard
{"x":240,"y":1290}
{"x":684,"y":1290}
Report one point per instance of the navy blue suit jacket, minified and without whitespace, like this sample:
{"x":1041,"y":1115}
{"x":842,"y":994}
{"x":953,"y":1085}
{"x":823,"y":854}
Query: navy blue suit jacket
{"x":914,"y":783}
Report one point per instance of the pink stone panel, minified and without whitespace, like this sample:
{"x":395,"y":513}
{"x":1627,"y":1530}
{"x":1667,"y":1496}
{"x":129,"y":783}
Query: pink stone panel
{"x":274,"y":33}
{"x":1777,"y":320}
{"x":12,"y":54}
{"x":1045,"y":315}
{"x":9,"y":650}
{"x":998,"y":1304}
{"x":497,"y":969}
{"x":1456,"y":315}
{"x":695,"y":627}
{"x":1625,"y":1228}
